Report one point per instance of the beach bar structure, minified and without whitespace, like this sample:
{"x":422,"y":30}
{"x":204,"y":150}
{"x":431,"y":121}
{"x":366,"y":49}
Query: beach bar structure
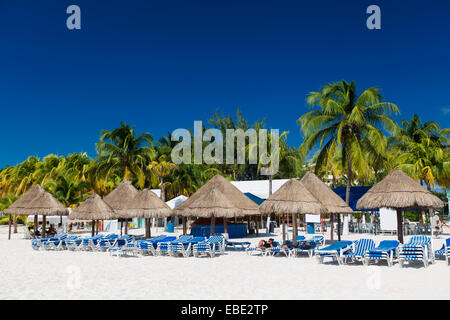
{"x":93,"y":208}
{"x":36,"y":201}
{"x":293,"y":198}
{"x":217,"y":198}
{"x":399,"y":191}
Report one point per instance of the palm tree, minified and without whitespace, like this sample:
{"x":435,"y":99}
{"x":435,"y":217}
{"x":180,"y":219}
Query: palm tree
{"x":121,"y":150}
{"x":424,"y":151}
{"x":345,"y":120}
{"x":353,"y":123}
{"x":161,"y":169}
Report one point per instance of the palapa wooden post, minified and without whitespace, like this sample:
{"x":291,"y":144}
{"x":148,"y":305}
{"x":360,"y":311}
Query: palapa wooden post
{"x":9,"y":225}
{"x":44,"y":225}
{"x":148,"y":228}
{"x":332,"y":228}
{"x":400,"y":225}
{"x":212,"y":225}
{"x":225,"y":226}
{"x":284,"y":228}
{"x":339,"y":226}
{"x":93,"y":228}
{"x":36,"y":223}
{"x":184,"y":225}
{"x":126,"y":226}
{"x":294,"y":225}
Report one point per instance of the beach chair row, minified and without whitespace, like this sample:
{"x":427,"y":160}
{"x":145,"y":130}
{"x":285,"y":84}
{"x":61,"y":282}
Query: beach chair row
{"x":417,"y":249}
{"x":74,"y":243}
{"x":184,"y":246}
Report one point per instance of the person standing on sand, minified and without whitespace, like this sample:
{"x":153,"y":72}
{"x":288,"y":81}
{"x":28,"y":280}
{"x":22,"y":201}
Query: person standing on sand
{"x":436,"y":225}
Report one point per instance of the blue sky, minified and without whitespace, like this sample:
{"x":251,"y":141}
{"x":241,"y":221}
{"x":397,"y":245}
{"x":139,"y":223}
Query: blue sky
{"x":160,"y":65}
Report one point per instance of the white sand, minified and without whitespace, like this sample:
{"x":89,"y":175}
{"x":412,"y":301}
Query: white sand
{"x":29,"y":274}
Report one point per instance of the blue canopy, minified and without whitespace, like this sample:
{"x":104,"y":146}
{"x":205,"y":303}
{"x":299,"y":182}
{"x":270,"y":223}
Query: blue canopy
{"x":355,"y":194}
{"x":254,"y":198}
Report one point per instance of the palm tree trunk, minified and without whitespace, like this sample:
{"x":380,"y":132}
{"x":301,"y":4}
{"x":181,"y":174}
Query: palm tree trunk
{"x":347,"y":191}
{"x":270,"y":185}
{"x":163,"y":193}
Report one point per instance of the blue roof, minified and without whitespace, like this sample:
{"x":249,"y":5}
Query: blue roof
{"x":355,"y":194}
{"x":254,"y":198}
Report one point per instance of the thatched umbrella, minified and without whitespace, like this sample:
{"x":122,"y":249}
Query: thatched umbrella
{"x":120,"y":199}
{"x":93,"y":208}
{"x":211,"y":204}
{"x":246,"y":206}
{"x":292,"y":198}
{"x":21,"y":203}
{"x":43,"y":203}
{"x":148,"y":205}
{"x":329,"y":199}
{"x":399,"y":191}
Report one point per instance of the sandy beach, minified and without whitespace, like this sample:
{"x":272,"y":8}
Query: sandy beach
{"x":30,"y":274}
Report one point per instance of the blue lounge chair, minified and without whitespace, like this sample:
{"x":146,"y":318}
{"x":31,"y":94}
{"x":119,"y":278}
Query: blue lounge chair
{"x":419,"y":248}
{"x":386,"y":250}
{"x":209,"y":247}
{"x":58,"y":244}
{"x":118,"y":244}
{"x":184,"y":248}
{"x":149,"y":246}
{"x":37,"y":244}
{"x":107,"y":242}
{"x":87,"y":244}
{"x":334,"y":251}
{"x":359,"y":251}
{"x":164,"y":247}
{"x":315,"y":242}
{"x":444,"y":252}
{"x":237,"y":244}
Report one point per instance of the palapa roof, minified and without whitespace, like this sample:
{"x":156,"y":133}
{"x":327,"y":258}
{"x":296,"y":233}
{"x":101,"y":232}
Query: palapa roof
{"x":93,"y":208}
{"x":43,"y":204}
{"x":22,"y":203}
{"x":292,"y":198}
{"x":146,"y":204}
{"x":121,"y":198}
{"x":237,"y":198}
{"x":398,"y":190}
{"x":327,"y":197}
{"x":212,"y":203}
